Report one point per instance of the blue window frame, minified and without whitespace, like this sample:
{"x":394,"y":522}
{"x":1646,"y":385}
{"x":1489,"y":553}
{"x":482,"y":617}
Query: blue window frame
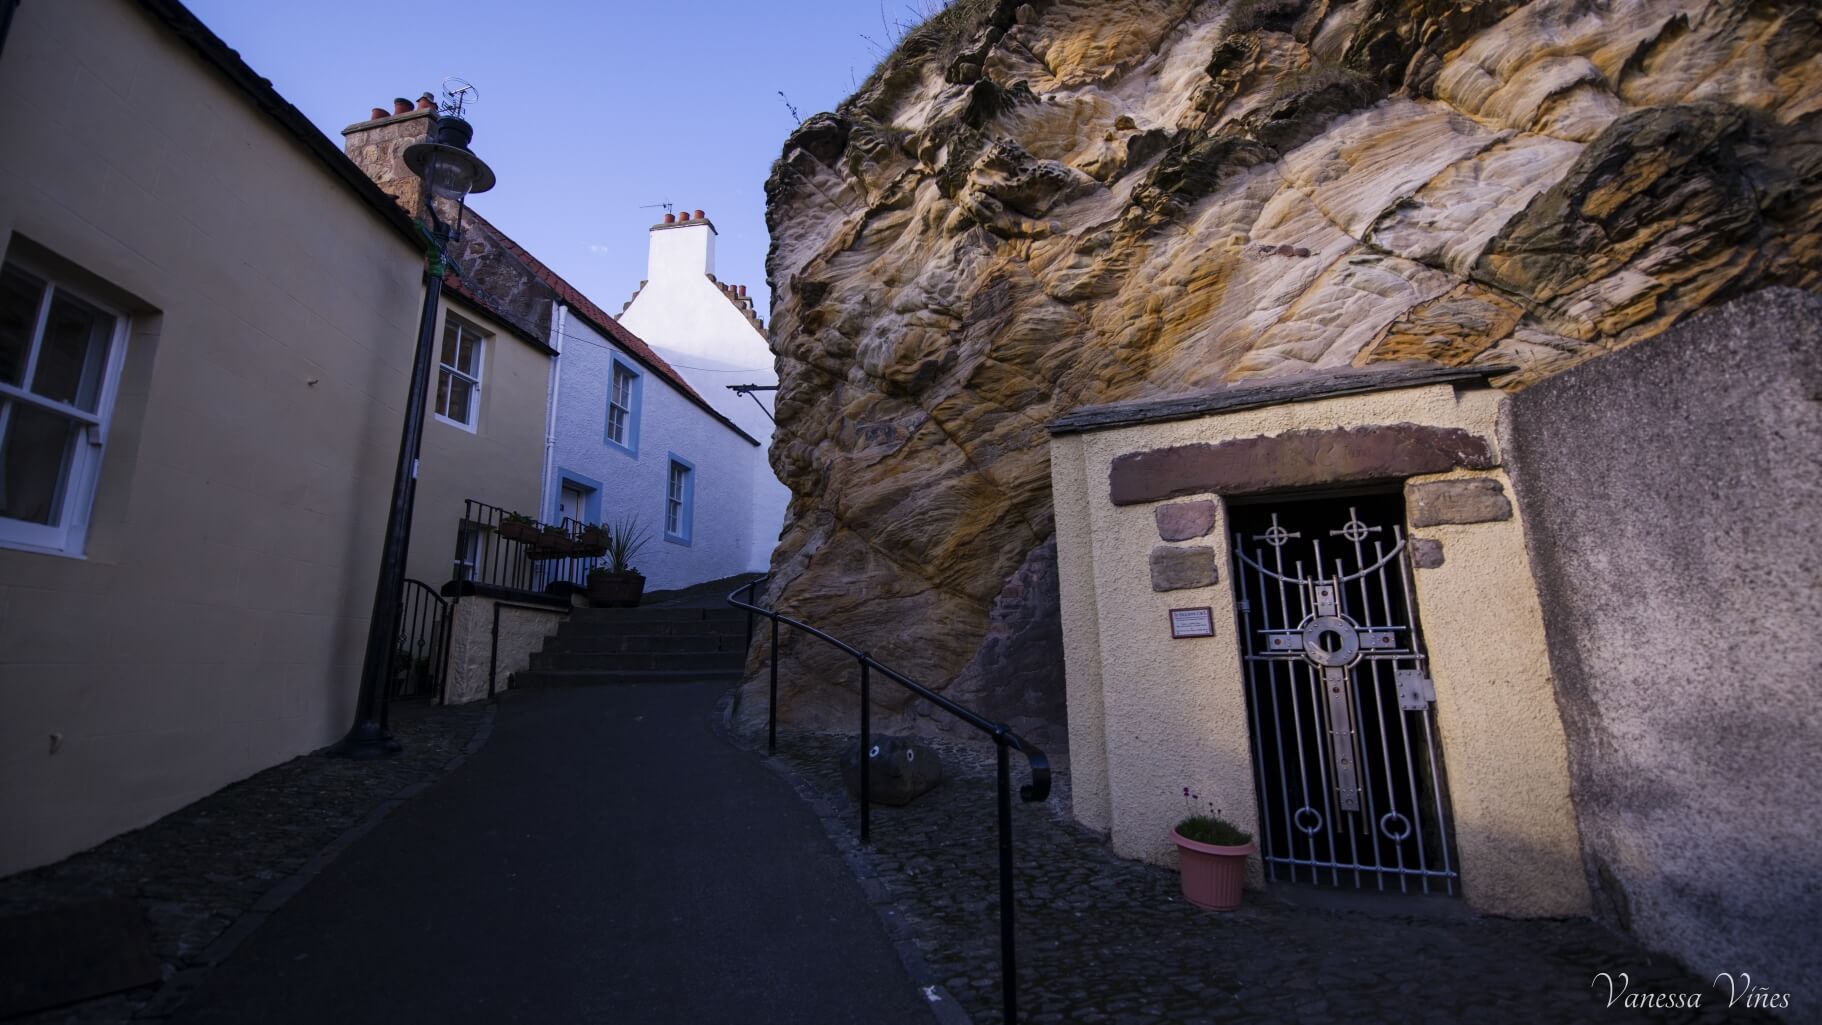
{"x":623,"y":388}
{"x":680,"y":501}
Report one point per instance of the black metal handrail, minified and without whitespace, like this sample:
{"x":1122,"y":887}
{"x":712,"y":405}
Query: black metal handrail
{"x":1004,"y":741}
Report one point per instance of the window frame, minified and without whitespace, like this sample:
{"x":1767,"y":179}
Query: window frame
{"x":82,"y":471}
{"x":474,"y":383}
{"x":635,"y":389}
{"x":686,"y":504}
{"x":470,"y":540}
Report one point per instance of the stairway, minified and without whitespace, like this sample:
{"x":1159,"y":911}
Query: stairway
{"x":643,"y":645}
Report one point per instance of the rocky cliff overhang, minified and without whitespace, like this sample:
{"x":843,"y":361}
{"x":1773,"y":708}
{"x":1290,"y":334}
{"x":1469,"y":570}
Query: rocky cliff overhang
{"x":1031,"y":208}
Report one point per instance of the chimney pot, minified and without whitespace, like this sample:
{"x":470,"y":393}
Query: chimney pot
{"x":670,"y":218}
{"x":699,"y":215}
{"x":378,"y":112}
{"x":743,"y":291}
{"x":684,"y":216}
{"x":401,"y":105}
{"x":426,"y":102}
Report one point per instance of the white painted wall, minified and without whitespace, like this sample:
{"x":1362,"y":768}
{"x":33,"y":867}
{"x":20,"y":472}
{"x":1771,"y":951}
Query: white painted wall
{"x":682,"y":314}
{"x":668,"y":423}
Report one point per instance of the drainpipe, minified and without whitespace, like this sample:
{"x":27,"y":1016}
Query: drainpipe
{"x":6,"y":20}
{"x":558,"y":321}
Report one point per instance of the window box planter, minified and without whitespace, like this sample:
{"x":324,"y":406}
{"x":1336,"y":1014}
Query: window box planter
{"x":591,"y":543}
{"x":514,"y":527}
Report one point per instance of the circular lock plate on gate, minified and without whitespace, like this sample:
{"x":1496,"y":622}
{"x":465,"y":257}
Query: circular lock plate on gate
{"x":1330,"y":641}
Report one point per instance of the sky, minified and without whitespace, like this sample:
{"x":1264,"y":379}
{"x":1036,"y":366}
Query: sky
{"x":588,"y":112}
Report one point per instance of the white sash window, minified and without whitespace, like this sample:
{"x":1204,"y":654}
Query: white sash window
{"x":60,"y":358}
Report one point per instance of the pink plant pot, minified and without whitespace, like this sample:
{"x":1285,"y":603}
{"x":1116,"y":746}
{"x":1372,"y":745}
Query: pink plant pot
{"x":1212,"y":874}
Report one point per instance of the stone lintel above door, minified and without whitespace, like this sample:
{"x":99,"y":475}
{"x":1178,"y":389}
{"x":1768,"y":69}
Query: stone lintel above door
{"x":1296,"y":459}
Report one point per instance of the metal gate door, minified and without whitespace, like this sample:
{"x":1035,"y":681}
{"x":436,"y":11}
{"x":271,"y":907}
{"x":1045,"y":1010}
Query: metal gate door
{"x":1350,"y":779}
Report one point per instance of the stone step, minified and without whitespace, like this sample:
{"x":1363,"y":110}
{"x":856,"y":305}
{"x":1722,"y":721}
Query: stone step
{"x":596,"y":677}
{"x":666,"y":660}
{"x":600,"y":643}
{"x":657,"y":615}
{"x":574,"y":627}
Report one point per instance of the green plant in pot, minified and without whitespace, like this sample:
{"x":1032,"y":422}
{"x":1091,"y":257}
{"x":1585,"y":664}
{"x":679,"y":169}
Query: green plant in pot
{"x":551,"y":541}
{"x":1211,"y":856}
{"x":592,"y":541}
{"x":618,"y":584}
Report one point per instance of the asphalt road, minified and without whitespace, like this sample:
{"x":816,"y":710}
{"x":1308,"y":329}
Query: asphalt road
{"x":605,"y":858}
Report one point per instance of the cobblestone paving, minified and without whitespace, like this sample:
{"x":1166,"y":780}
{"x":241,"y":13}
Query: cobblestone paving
{"x":1107,"y":941}
{"x":200,"y":869}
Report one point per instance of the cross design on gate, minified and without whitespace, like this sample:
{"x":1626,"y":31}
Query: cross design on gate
{"x":1275,"y":535}
{"x":1354,"y":530}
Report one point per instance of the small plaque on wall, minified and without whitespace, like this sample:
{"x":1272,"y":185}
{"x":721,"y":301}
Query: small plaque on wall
{"x":1198,"y":622}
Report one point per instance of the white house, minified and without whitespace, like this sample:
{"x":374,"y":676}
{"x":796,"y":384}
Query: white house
{"x":709,"y":332}
{"x":629,"y":435}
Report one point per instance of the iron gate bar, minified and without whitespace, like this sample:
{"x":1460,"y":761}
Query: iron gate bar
{"x":1004,"y":741}
{"x":1350,"y":793}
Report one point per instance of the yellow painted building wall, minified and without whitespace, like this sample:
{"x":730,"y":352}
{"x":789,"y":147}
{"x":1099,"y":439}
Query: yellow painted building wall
{"x":216,"y":624}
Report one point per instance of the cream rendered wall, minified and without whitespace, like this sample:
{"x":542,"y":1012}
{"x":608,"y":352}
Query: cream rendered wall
{"x":684,"y":317}
{"x":500,"y":462}
{"x":472,"y":655}
{"x":1172,"y":712}
{"x":216,"y":625}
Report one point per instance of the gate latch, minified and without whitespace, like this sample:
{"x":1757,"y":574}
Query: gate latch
{"x":1415,"y":690}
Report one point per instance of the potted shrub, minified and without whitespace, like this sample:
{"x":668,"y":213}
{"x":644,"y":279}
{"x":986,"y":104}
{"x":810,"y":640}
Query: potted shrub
{"x":618,"y":584}
{"x":514,"y":527}
{"x":1211,"y":858}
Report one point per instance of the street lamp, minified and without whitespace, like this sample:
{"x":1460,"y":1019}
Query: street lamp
{"x":450,"y":171}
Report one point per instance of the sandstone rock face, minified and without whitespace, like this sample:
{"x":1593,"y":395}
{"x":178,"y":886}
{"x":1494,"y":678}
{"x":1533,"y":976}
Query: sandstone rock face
{"x":1036,"y":206}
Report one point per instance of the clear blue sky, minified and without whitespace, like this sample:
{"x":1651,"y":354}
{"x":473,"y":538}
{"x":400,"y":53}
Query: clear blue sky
{"x":589,"y":110}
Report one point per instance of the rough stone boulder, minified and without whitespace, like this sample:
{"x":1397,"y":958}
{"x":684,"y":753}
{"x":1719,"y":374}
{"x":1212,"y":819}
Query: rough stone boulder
{"x":1030,"y":207}
{"x":901,"y":770}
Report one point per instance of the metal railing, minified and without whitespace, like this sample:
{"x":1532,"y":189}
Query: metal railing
{"x":423,"y":643}
{"x":1004,"y":741}
{"x":493,"y":548}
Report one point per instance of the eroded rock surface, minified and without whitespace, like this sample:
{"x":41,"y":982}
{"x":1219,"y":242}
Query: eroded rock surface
{"x":1036,"y":206}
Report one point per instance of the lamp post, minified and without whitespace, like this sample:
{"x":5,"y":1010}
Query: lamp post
{"x":451,"y":171}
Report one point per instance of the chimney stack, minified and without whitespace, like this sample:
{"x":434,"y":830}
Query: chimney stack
{"x":377,"y":147}
{"x":683,"y":247}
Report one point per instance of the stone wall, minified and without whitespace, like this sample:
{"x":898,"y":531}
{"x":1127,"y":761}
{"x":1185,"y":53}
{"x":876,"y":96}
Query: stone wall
{"x":1673,"y":494}
{"x":471,"y":653}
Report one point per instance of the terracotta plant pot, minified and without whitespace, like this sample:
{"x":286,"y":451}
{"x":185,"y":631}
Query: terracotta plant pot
{"x":615,"y":590}
{"x":1212,"y":875}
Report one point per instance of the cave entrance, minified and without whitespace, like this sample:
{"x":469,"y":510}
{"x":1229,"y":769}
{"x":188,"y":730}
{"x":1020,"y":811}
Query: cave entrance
{"x":1345,"y":755}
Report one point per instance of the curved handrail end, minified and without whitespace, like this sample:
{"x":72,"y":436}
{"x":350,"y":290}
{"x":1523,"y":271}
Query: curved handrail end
{"x":1039,"y":787}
